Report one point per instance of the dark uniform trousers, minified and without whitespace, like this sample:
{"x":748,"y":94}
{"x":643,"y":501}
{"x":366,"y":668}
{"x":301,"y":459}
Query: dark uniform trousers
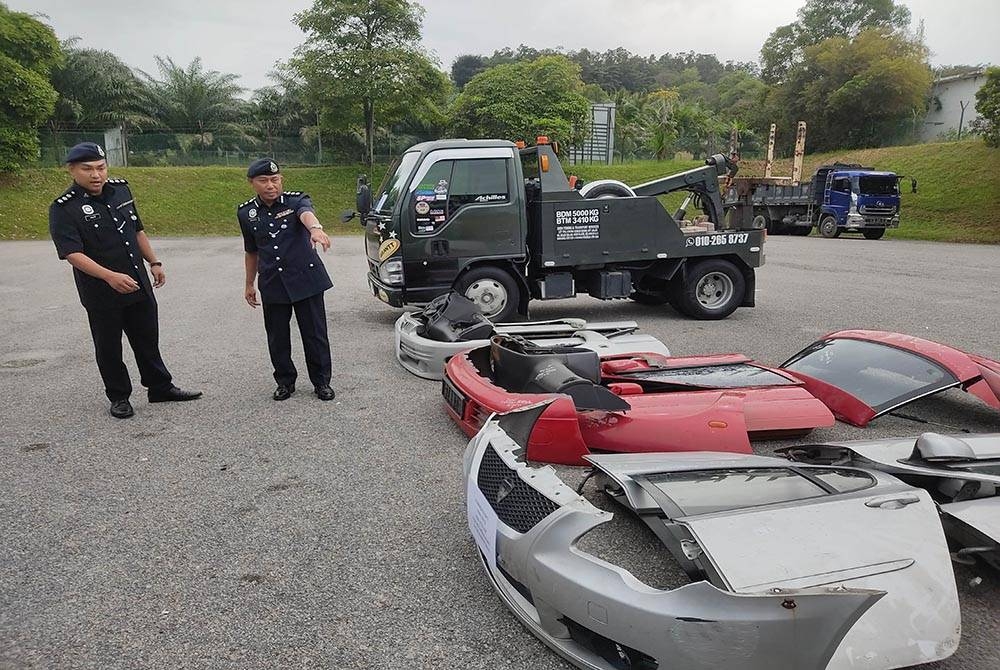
{"x":139,"y":323}
{"x":310,"y":314}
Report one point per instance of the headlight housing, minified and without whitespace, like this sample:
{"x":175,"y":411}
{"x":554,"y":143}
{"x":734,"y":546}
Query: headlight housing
{"x":391,"y":272}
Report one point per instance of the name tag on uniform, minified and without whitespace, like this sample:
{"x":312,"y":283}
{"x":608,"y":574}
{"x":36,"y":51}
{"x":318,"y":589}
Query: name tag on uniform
{"x":284,"y":213}
{"x":92,"y":217}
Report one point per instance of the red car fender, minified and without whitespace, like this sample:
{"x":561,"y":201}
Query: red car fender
{"x":988,"y":388}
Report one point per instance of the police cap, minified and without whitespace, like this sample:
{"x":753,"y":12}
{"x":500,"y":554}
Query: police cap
{"x":85,"y":151}
{"x":262,"y":166}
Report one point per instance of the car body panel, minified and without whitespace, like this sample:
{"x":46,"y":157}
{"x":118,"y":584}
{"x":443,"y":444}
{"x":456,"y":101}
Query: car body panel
{"x":555,"y":589}
{"x":883,"y":536}
{"x":965,"y":484}
{"x":977,"y":375}
{"x":678,"y":420}
{"x":426,"y":357}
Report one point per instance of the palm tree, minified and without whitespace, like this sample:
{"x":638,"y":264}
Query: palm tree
{"x":196,"y":102}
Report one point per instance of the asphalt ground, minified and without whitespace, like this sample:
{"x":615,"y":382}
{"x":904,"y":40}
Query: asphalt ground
{"x":236,"y":532}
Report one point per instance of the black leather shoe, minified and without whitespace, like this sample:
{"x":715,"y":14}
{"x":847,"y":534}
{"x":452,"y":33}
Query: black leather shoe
{"x":173,"y":394}
{"x":325,"y":393}
{"x":284,"y":392}
{"x":121,"y":409}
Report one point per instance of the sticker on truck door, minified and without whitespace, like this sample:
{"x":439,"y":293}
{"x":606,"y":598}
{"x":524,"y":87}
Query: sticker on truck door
{"x":717,"y":240}
{"x":387,"y":248}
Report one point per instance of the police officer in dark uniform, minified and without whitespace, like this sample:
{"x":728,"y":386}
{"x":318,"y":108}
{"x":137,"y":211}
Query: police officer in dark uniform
{"x":96,"y":227}
{"x":280,"y":230}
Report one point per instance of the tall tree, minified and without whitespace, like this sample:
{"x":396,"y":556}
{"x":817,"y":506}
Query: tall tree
{"x":363,"y":57}
{"x":196,"y":102}
{"x":988,"y":106}
{"x":524,"y":99}
{"x":857,"y":92}
{"x":465,"y":68}
{"x":29,"y":50}
{"x":97,"y":90}
{"x":819,"y":20}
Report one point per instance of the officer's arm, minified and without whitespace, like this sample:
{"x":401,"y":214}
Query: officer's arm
{"x":118,"y":281}
{"x":249,"y":292}
{"x":317,"y":235}
{"x":145,"y":247}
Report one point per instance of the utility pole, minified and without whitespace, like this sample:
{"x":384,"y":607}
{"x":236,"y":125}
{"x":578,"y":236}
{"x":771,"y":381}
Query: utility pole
{"x":319,"y":140}
{"x":961,"y":119}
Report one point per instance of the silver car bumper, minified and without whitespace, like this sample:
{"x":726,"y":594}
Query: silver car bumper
{"x":426,"y":358}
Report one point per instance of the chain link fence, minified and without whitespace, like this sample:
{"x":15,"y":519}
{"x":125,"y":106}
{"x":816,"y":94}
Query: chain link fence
{"x":180,"y":149}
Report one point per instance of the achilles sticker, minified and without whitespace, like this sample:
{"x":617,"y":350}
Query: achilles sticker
{"x":422,"y":207}
{"x":492,"y":197}
{"x":717,"y":240}
{"x":578,"y":224}
{"x":387,"y":248}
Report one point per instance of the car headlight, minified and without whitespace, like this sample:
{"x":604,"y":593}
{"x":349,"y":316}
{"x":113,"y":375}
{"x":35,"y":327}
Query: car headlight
{"x":391,"y":272}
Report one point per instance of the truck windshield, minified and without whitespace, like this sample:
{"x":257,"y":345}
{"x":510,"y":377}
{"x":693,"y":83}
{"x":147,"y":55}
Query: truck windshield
{"x":878,"y":186}
{"x":394,"y":182}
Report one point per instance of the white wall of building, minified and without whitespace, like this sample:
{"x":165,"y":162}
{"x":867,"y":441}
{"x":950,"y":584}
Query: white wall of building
{"x":947,"y":97}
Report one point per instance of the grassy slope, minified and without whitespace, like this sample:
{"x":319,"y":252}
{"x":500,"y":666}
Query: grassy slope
{"x":958,"y":197}
{"x":177,"y":200}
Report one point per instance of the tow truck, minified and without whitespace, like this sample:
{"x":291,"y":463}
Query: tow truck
{"x":502,"y":224}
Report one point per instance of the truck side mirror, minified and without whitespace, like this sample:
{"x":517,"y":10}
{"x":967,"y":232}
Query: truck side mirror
{"x":364,"y":197}
{"x":347,"y":215}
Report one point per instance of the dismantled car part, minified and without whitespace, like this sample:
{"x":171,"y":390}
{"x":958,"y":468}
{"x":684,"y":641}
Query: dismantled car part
{"x":452,"y":323}
{"x":804,"y":567}
{"x":698,"y":403}
{"x":961,"y":472}
{"x":864,"y":374}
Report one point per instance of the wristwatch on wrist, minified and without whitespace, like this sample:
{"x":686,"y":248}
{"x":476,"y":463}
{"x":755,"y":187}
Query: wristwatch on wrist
{"x":315,"y":226}
{"x":155,"y":263}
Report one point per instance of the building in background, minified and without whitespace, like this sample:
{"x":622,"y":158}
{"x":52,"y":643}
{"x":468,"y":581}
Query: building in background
{"x":953,"y":105}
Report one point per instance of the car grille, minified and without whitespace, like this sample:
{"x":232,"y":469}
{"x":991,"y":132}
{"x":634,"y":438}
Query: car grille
{"x":453,"y":397}
{"x":520,"y":506}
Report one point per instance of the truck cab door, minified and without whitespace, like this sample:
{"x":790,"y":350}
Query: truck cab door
{"x":463,"y":205}
{"x":838,"y":197}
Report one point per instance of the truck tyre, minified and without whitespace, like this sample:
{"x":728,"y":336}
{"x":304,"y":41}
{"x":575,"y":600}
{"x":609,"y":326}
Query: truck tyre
{"x":761,"y":222}
{"x":873,"y":233}
{"x":828,"y":227}
{"x":712,"y":290}
{"x":493,"y":290}
{"x":606,"y":189}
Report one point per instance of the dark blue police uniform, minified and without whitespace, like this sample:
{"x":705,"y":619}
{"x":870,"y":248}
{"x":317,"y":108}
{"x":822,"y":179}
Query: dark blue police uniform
{"x":291,"y":277}
{"x":104,"y":228}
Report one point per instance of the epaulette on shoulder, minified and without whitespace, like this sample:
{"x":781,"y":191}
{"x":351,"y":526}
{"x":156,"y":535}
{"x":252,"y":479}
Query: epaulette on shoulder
{"x":118,"y":180}
{"x":293,"y":193}
{"x":65,"y":197}
{"x":244,"y":204}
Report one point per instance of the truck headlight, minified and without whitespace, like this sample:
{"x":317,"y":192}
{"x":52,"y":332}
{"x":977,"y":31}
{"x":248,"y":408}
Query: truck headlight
{"x":391,"y":272}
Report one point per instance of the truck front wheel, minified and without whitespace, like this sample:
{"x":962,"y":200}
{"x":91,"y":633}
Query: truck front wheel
{"x":712,"y":289}
{"x":493,"y":291}
{"x":828,"y":227}
{"x":873,"y":233}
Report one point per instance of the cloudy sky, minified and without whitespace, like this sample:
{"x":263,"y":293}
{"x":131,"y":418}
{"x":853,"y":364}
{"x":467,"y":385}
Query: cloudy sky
{"x":248,"y":36}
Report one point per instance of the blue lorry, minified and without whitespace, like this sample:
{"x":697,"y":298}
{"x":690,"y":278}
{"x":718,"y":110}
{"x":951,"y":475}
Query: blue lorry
{"x":840,"y":198}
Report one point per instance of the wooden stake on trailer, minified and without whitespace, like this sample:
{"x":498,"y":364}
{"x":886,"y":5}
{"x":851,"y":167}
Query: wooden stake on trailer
{"x":770,"y":153}
{"x":800,"y":150}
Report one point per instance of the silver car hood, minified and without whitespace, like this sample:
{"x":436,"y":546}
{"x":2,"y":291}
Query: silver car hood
{"x":526,"y":523}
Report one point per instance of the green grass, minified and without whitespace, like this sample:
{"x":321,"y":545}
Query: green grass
{"x":958,"y":199}
{"x":178,"y":200}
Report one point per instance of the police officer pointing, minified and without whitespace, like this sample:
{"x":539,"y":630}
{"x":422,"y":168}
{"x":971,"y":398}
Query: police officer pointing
{"x":96,"y":227}
{"x":279,"y":230}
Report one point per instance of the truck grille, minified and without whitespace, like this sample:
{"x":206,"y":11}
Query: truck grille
{"x":877,"y":211}
{"x":453,"y":397}
{"x":520,"y":506}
